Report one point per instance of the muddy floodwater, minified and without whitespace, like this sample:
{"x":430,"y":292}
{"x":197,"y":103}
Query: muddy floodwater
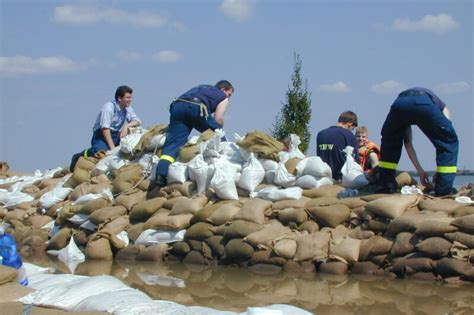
{"x":235,"y":289}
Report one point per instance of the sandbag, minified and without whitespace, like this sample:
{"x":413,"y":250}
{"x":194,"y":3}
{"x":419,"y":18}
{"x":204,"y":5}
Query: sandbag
{"x":291,"y":164}
{"x":266,"y":235}
{"x":434,"y":247}
{"x":127,"y":177}
{"x":437,"y":204}
{"x":166,"y":221}
{"x":345,"y":249}
{"x":203,"y":214}
{"x":60,"y":239}
{"x":101,"y":215}
{"x":200,"y":172}
{"x":177,"y":173}
{"x":145,"y":209}
{"x":283,"y":177}
{"x":465,"y":223}
{"x":93,"y":205}
{"x":321,"y":201}
{"x":330,"y":216}
{"x":153,"y":253}
{"x":404,"y":179}
{"x":333,"y":267}
{"x":240,"y":229}
{"x":253,"y":210}
{"x":462,"y":211}
{"x":180,"y":249}
{"x":223,"y":213}
{"x":361,"y":234}
{"x":286,"y":216}
{"x":309,"y":226}
{"x":463,"y":238}
{"x":7,"y":274}
{"x":130,"y":200}
{"x":267,"y":257}
{"x":435,"y":227}
{"x":145,"y":142}
{"x":188,"y":206}
{"x":353,"y":175}
{"x":391,"y":207}
{"x":168,"y":204}
{"x":313,"y":247}
{"x":82,"y":171}
{"x":238,"y":251}
{"x":285,"y":247}
{"x":252,"y":174}
{"x":404,"y":244}
{"x":324,"y":191}
{"x":216,"y":243}
{"x":290,"y":203}
{"x":199,"y":231}
{"x":315,"y":167}
{"x":259,"y":142}
{"x":99,"y":248}
{"x":450,"y":267}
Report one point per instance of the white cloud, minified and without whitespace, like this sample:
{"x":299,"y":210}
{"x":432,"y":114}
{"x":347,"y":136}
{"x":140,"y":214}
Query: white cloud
{"x":74,"y":14}
{"x":130,"y":55}
{"x":454,"y":87}
{"x":23,"y":65}
{"x":167,"y":56}
{"x":439,"y":24}
{"x":387,"y":87}
{"x":238,"y":10}
{"x":338,"y":87}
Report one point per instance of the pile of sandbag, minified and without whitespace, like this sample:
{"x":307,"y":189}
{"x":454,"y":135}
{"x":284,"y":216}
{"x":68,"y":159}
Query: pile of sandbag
{"x":246,"y":203}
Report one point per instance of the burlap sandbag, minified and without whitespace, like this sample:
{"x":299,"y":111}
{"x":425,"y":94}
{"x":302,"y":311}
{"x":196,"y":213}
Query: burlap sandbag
{"x":180,"y":249}
{"x":463,"y":238}
{"x":38,"y":221}
{"x":33,"y":246}
{"x":262,"y":143}
{"x":168,"y":204}
{"x":60,"y":239}
{"x":253,"y":210}
{"x":372,"y":197}
{"x":203,"y":214}
{"x":291,"y":164}
{"x":404,"y":179}
{"x":145,"y":209}
{"x":321,"y":201}
{"x":199,"y":231}
{"x":217,"y":244}
{"x":30,"y":190}
{"x":146,"y":138}
{"x":290,"y":203}
{"x":406,"y":223}
{"x":361,"y":234}
{"x":224,"y":213}
{"x":392,"y":207}
{"x":241,"y":229}
{"x":463,"y":211}
{"x":195,"y":258}
{"x":100,"y":186}
{"x":353,"y":202}
{"x":189,"y":151}
{"x":268,"y":233}
{"x":330,"y":216}
{"x":438,"y":204}
{"x":285,"y":247}
{"x":404,"y":244}
{"x":130,"y":200}
{"x":325,"y":191}
{"x":345,"y":249}
{"x":115,"y":226}
{"x":238,"y":251}
{"x":101,"y":215}
{"x":313,"y":247}
{"x":450,"y":267}
{"x":434,"y":247}
{"x":267,"y":257}
{"x":93,"y":205}
{"x":16,"y":214}
{"x":127,"y":177}
{"x":99,"y":248}
{"x":80,"y":190}
{"x":166,"y":221}
{"x":333,"y":267}
{"x":153,"y":253}
{"x":435,"y":226}
{"x":411,"y":264}
{"x":309,"y":226}
{"x":135,"y":230}
{"x":364,"y":268}
{"x":82,"y":171}
{"x":7,"y":274}
{"x":188,"y":205}
{"x":298,"y":216}
{"x":465,"y":223}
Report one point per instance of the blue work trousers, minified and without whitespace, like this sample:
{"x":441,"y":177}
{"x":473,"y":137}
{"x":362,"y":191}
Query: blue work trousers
{"x":420,"y":110}
{"x":183,"y":118}
{"x":98,"y":143}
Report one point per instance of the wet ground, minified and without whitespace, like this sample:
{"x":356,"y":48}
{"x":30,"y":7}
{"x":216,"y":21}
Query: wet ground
{"x":235,"y":289}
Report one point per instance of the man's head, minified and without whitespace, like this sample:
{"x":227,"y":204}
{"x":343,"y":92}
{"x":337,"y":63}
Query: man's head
{"x":225,"y":87}
{"x":123,"y":96}
{"x":347,"y":120}
{"x":362,"y":135}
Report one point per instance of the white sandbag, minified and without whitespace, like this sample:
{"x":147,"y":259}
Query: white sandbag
{"x":178,"y":173}
{"x":293,"y":149}
{"x":309,"y":182}
{"x":283,"y":177}
{"x":252,"y":174}
{"x":275,"y":194}
{"x":147,"y":160}
{"x":70,"y":255}
{"x":112,"y":301}
{"x":150,"y":237}
{"x":223,"y":181}
{"x":353,"y":175}
{"x":123,"y":236}
{"x":11,"y":199}
{"x":111,"y":161}
{"x":280,"y":309}
{"x":32,"y":270}
{"x":128,"y":143}
{"x":156,"y":142}
{"x":200,"y":172}
{"x":54,"y":196}
{"x":270,"y":177}
{"x":411,"y":190}
{"x":315,"y":166}
{"x":106,"y":193}
{"x":79,"y":218}
{"x":168,"y":308}
{"x":213,"y":147}
{"x":44,"y":280}
{"x":268,"y":165}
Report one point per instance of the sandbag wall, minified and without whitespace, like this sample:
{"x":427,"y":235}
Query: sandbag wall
{"x":387,"y":235}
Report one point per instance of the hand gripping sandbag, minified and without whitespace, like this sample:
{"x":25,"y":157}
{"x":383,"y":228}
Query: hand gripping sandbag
{"x":352,"y":174}
{"x":252,"y":175}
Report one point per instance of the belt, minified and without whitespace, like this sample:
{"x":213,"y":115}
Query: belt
{"x":195,"y":101}
{"x":413,"y":93}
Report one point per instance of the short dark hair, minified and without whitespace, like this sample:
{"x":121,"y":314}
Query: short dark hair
{"x":121,"y":91}
{"x":348,"y":117}
{"x":224,"y":84}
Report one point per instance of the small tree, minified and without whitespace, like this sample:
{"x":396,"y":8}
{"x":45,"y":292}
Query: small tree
{"x":295,"y":114}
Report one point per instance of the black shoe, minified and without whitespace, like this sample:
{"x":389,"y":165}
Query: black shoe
{"x":452,"y":191}
{"x":160,"y":181}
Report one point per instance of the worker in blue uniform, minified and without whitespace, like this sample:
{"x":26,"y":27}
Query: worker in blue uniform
{"x":192,"y":110}
{"x":423,"y":108}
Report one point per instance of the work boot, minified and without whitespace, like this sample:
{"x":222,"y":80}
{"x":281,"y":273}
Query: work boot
{"x":452,"y":191}
{"x":160,"y":181}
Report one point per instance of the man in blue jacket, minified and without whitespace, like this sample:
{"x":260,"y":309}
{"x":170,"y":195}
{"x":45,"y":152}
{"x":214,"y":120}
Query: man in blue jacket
{"x":423,"y":108}
{"x":331,"y":141}
{"x":192,"y":110}
{"x":111,"y":124}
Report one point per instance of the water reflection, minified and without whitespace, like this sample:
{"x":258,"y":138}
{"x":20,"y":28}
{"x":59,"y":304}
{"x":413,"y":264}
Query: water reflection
{"x":234,"y":289}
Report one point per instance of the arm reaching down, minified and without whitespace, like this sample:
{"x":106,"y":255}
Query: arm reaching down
{"x":408,"y":140}
{"x":220,"y":111}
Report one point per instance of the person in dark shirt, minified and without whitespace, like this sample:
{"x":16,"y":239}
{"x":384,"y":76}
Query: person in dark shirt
{"x":331,"y":141}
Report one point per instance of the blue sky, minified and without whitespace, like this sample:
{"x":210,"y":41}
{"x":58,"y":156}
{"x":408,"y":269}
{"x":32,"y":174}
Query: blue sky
{"x":61,"y":60}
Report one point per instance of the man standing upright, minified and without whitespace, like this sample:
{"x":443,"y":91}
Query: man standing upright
{"x":111,"y":124}
{"x":331,"y":141}
{"x":423,"y":108}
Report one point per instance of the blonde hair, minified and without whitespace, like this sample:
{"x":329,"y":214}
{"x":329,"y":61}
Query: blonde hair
{"x":362,"y":129}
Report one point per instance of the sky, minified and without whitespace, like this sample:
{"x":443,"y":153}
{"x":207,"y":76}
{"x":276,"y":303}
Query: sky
{"x":60,"y":61}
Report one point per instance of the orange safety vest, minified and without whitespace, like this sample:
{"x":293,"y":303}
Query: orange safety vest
{"x":364,"y":155}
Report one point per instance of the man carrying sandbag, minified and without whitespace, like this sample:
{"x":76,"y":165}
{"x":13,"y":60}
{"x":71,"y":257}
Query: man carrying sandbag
{"x":423,"y":108}
{"x":192,"y":109}
{"x":331,"y":142}
{"x":111,"y":125}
